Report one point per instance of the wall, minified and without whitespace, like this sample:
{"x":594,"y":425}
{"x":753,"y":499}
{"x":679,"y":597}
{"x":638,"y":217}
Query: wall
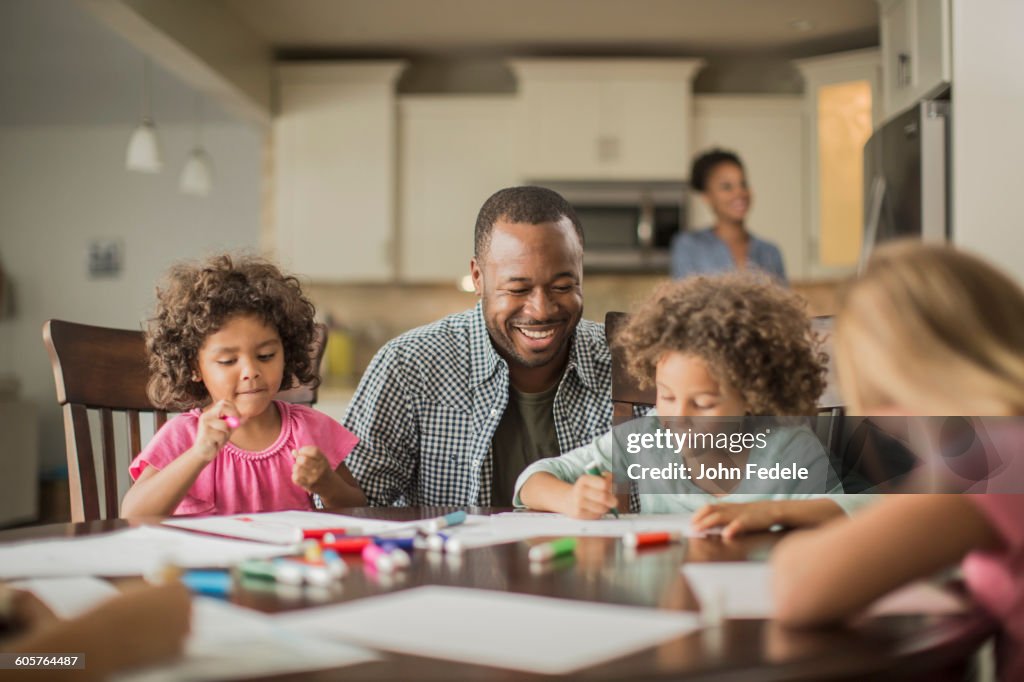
{"x":63,"y":183}
{"x":767,"y":131}
{"x":988,"y":146}
{"x":61,"y":187}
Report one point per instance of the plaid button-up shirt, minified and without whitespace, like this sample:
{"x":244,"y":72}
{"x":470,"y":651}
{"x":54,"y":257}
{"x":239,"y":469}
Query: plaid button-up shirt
{"x":431,"y":399}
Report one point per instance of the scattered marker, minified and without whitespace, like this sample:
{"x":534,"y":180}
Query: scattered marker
{"x":553,"y":549}
{"x":648,"y":539}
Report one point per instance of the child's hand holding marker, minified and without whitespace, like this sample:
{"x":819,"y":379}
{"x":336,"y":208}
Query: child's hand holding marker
{"x":595,"y":470}
{"x":215,"y":427}
{"x":591,"y":496}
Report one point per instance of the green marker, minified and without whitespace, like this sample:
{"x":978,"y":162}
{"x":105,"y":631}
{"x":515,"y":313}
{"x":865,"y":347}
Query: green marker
{"x":595,"y":470}
{"x":257,"y":569}
{"x":550,"y":550}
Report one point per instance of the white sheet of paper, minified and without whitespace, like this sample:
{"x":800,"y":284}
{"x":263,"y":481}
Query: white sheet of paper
{"x":230,"y":642}
{"x":523,"y":632}
{"x":283,"y":527}
{"x":743,"y":590}
{"x":478,"y":531}
{"x":134,"y":551}
{"x":535,"y":524}
{"x":286,"y":527}
{"x":497,"y":529}
{"x":68,"y":597}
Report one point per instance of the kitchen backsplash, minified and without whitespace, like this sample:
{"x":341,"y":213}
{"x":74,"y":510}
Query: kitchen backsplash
{"x":365,"y":316}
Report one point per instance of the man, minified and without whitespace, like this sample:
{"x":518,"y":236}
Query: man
{"x":452,"y":412}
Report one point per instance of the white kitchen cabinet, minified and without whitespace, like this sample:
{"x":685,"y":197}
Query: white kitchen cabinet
{"x":916,"y":50}
{"x":335,"y":170}
{"x":767,"y":132}
{"x":605,"y":119}
{"x":455,"y":151}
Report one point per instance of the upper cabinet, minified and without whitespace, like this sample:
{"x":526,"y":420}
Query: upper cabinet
{"x":916,"y":50}
{"x":605,"y":119}
{"x":335,"y":168}
{"x":456,"y":150}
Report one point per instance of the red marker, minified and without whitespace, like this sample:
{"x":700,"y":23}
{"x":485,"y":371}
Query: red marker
{"x":646,"y":539}
{"x":348,"y":545}
{"x":233,"y":421}
{"x":322,"y":533}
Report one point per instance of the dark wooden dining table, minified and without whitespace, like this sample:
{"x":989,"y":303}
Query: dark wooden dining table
{"x":923,"y":647}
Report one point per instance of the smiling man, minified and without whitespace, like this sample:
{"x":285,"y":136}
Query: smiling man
{"x":451,"y":413}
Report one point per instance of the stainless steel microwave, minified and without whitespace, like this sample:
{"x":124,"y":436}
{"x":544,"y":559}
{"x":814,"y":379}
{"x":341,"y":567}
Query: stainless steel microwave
{"x":627,"y":226}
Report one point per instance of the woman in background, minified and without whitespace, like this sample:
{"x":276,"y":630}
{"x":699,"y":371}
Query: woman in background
{"x":927,"y":330}
{"x":718,"y":175}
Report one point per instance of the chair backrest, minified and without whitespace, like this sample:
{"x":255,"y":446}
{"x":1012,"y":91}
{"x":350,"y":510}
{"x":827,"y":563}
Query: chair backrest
{"x":105,"y":370}
{"x":626,"y":391}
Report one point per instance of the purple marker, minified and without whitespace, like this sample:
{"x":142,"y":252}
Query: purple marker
{"x":233,"y":421}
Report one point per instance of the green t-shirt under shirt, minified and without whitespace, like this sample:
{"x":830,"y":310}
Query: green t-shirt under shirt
{"x":525,"y":434}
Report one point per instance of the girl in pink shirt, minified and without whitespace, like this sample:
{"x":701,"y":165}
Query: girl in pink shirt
{"x":226,"y":337}
{"x":927,"y":330}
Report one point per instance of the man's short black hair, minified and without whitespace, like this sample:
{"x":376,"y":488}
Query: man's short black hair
{"x":526,"y":204}
{"x":707,"y":162}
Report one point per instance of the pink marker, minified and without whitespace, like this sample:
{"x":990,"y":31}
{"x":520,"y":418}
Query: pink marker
{"x":233,"y":421}
{"x":378,"y":557}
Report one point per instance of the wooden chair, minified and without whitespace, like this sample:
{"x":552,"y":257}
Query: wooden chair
{"x":105,"y":370}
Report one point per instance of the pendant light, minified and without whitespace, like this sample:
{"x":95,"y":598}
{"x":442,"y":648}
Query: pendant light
{"x":143,"y":153}
{"x":197,"y":175}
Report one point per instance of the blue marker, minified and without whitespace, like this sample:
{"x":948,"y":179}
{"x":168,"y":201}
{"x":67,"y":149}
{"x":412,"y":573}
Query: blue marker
{"x":336,"y":567}
{"x":453,"y":519}
{"x":400,"y":543}
{"x":211,"y":583}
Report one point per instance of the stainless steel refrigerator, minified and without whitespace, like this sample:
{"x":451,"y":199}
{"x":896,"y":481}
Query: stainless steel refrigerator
{"x":907,"y":176}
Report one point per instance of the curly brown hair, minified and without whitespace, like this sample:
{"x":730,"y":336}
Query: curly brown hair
{"x":752,"y":333}
{"x":197,"y":299}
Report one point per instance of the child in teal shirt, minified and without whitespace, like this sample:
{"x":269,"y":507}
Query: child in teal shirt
{"x":723,"y":352}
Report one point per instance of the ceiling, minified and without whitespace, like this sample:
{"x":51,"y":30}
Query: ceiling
{"x":59,"y":65}
{"x":793,"y":28}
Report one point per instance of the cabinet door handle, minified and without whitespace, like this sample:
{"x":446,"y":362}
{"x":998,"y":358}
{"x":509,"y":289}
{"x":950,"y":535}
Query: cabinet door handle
{"x":902,"y":70}
{"x":608,"y":148}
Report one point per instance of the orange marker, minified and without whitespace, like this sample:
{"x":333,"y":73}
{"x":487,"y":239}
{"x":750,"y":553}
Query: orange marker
{"x":646,"y":539}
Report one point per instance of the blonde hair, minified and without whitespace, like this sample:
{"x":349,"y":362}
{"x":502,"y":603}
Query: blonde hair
{"x":932,"y":330}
